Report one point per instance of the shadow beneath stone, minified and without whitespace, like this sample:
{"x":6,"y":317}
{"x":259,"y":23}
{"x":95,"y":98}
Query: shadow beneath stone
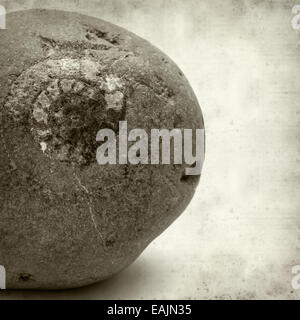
{"x":128,"y":284}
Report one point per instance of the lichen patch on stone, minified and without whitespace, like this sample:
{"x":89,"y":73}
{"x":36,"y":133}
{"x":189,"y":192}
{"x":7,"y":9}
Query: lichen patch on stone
{"x":43,"y":146}
{"x":89,"y":69}
{"x":43,"y":101}
{"x":39,"y":114}
{"x":114,"y":100}
{"x":69,"y":66}
{"x":113,"y":82}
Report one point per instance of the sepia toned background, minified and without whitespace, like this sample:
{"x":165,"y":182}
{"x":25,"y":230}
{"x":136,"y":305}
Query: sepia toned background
{"x":240,"y":236}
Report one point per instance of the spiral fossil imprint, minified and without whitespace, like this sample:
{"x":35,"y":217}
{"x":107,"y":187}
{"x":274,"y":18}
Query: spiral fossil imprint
{"x":65,"y":220}
{"x":64,"y":100}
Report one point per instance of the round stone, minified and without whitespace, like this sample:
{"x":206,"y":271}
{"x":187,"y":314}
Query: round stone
{"x":65,"y":220}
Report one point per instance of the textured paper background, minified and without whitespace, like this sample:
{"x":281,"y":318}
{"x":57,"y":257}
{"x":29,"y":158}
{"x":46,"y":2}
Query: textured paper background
{"x":239,"y":238}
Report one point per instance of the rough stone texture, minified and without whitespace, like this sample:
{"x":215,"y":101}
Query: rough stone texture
{"x":66,"y":221}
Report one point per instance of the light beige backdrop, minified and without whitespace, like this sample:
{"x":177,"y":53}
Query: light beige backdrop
{"x":239,"y":238}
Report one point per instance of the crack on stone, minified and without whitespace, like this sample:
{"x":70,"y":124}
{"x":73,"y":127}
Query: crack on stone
{"x":119,"y":59}
{"x":84,"y":188}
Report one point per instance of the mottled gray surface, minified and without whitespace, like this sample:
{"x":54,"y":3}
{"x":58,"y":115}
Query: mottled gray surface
{"x":239,"y":237}
{"x":66,"y":221}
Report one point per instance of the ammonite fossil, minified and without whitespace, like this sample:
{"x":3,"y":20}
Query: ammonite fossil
{"x":66,"y":221}
{"x":66,"y":101}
